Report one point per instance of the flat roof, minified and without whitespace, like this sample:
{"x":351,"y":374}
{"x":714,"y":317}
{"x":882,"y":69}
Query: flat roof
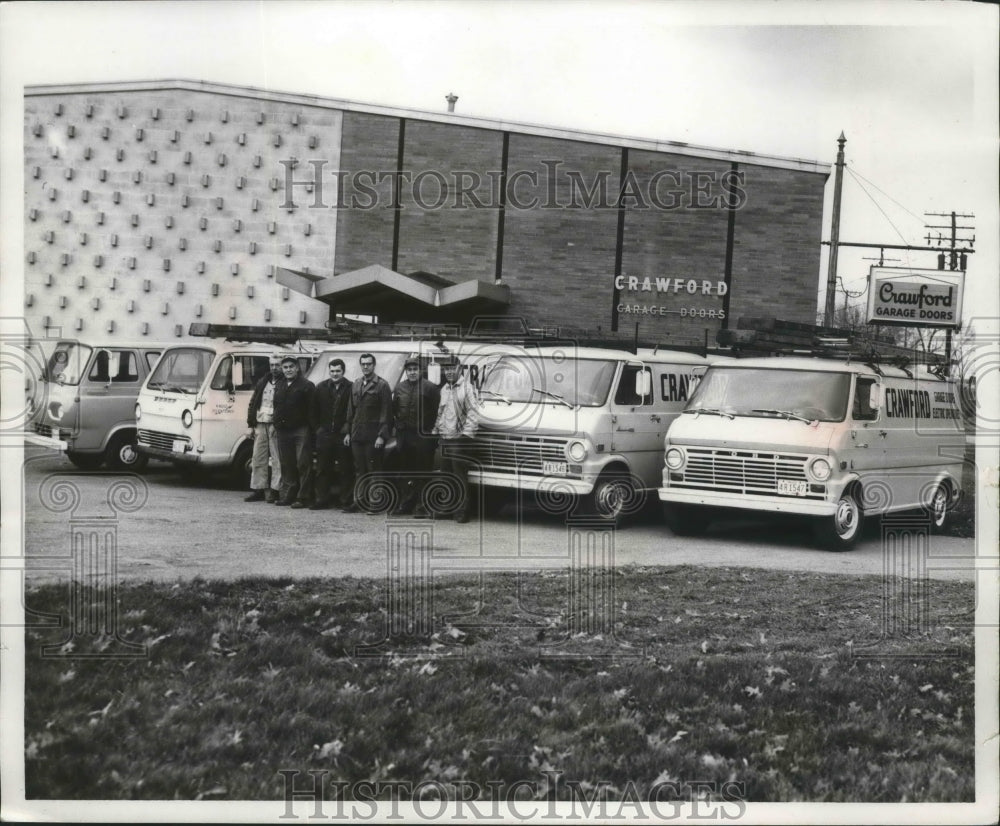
{"x":253,"y":93}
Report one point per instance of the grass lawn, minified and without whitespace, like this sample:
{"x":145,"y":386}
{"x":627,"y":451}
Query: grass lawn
{"x":739,"y":678}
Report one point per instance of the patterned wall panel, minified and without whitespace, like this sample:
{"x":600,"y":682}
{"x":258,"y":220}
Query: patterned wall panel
{"x":170,"y":207}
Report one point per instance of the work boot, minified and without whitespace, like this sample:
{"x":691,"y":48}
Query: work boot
{"x":319,"y":506}
{"x":255,"y":496}
{"x":353,"y":507}
{"x":271,"y":496}
{"x":283,"y":502}
{"x":298,"y":503}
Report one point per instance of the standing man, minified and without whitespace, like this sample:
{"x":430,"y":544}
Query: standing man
{"x":329,"y":419}
{"x":457,"y":420}
{"x":369,"y":424}
{"x":414,"y":406}
{"x":260,"y":420}
{"x":292,"y":411}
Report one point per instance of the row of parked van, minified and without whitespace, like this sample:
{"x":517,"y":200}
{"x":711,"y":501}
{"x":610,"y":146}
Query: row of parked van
{"x":826,"y":439}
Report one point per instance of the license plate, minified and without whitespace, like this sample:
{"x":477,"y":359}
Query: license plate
{"x":790,"y":487}
{"x":554,"y":468}
{"x":178,"y":446}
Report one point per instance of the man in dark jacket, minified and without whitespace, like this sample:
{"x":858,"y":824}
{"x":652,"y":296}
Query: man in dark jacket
{"x":369,"y":425}
{"x":415,"y":407}
{"x":329,"y":418}
{"x":292,"y":411}
{"x":260,"y":420}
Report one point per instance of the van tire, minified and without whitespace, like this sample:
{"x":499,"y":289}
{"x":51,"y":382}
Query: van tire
{"x":121,"y":453}
{"x":940,"y":511}
{"x":685,"y":520}
{"x":239,"y":470}
{"x":85,"y":461}
{"x":841,"y":531}
{"x":612,"y":497}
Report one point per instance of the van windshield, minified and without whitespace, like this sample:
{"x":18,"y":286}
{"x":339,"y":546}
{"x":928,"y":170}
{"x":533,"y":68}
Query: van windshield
{"x":66,"y":364}
{"x":767,"y":393}
{"x":181,"y":370}
{"x":550,"y":380}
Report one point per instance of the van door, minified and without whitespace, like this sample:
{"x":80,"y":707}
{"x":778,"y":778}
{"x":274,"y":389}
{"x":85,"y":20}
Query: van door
{"x":224,"y":414}
{"x":107,"y":395}
{"x":868,"y":433}
{"x":636,"y":426}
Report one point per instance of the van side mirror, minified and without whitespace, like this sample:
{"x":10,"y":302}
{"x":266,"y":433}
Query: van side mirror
{"x":873,"y":397}
{"x":643,"y":384}
{"x":237,"y":380}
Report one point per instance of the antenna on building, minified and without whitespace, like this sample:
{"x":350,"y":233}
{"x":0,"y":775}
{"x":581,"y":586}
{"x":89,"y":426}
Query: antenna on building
{"x":452,"y":100}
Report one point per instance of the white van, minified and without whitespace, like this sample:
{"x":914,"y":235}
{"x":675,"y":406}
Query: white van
{"x":831,"y":439}
{"x":580,"y":420}
{"x":192,"y":409}
{"x":89,"y":393}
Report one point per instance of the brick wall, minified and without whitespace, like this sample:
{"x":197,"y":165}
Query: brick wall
{"x":558,"y":253}
{"x":443,"y":228}
{"x":778,"y":234}
{"x":370,"y":145}
{"x":675,"y":228}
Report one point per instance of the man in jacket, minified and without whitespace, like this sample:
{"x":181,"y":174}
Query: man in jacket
{"x":260,"y":420}
{"x":369,"y":425}
{"x":292,"y":411}
{"x":329,"y":418}
{"x":414,"y":406}
{"x":457,"y":420}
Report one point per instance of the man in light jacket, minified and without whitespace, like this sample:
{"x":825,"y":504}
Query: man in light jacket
{"x":457,"y":420}
{"x":260,"y":420}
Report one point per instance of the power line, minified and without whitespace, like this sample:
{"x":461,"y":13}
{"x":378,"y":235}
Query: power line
{"x":887,"y":195}
{"x":877,"y":205}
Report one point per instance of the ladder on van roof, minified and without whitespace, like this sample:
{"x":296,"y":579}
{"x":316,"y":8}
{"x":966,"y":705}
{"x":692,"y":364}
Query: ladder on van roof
{"x":501,"y":330}
{"x":766,"y":336}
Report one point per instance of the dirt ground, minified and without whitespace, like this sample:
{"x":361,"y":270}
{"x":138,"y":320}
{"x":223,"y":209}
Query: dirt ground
{"x":169,"y":528}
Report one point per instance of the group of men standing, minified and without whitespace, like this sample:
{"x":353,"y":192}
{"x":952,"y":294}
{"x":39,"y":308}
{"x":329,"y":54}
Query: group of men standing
{"x":347,"y":425}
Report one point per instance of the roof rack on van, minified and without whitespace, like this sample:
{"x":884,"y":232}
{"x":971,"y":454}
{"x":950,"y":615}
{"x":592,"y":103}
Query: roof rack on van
{"x":336,"y":332}
{"x":767,"y":336}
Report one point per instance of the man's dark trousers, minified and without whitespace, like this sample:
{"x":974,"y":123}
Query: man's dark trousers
{"x":334,"y":463}
{"x":295,"y":449}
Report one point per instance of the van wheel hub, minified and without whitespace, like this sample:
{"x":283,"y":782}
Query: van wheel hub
{"x":846,"y":517}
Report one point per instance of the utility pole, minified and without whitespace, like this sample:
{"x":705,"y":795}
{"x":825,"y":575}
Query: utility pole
{"x":831,"y":273}
{"x":956,"y":258}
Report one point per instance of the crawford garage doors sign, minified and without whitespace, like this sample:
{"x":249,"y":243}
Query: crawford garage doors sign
{"x":922,"y":298}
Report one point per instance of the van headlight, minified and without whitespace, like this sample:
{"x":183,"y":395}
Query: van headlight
{"x":138,"y":412}
{"x":576,"y":451}
{"x":820,"y":469}
{"x":674,"y":458}
{"x":187,"y":418}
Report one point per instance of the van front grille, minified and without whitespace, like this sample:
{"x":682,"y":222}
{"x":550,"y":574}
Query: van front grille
{"x":159,"y":440}
{"x":43,"y":429}
{"x":742,"y":471}
{"x":513,"y":453}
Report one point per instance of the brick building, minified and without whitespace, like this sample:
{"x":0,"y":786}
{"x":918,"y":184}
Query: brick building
{"x":150,"y":205}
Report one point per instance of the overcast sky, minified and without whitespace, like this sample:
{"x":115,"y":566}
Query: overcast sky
{"x":912,"y":85}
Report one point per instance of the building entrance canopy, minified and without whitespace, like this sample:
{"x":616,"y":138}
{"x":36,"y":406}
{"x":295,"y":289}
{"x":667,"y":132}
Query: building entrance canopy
{"x":392,"y":296}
